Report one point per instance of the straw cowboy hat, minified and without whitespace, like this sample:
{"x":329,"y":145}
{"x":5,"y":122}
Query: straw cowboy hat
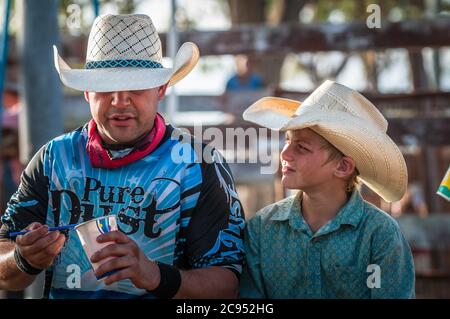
{"x":351,"y":123}
{"x":124,"y":53}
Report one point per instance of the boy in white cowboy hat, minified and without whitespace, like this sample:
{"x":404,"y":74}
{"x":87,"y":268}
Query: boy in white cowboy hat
{"x":326,"y":241}
{"x":180,"y":222}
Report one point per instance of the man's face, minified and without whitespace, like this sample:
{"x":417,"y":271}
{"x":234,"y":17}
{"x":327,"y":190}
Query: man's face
{"x":123,"y":117}
{"x":304,"y":161}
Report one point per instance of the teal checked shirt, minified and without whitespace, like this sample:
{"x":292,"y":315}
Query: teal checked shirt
{"x":361,"y":253}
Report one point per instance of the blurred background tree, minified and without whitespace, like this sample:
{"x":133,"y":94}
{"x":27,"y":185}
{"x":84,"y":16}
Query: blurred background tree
{"x":276,"y":12}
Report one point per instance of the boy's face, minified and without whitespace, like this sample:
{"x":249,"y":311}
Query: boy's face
{"x":304,"y":161}
{"x":122,"y":117}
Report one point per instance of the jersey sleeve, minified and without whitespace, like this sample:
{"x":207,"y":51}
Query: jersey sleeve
{"x":215,"y":232}
{"x":29,"y":203}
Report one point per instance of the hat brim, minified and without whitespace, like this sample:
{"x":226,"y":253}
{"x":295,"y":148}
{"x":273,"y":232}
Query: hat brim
{"x":378,"y":159}
{"x":127,"y":78}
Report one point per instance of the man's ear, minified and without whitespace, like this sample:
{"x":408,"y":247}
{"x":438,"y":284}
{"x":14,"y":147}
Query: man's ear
{"x":162,"y":91}
{"x":86,"y":96}
{"x":345,"y":167}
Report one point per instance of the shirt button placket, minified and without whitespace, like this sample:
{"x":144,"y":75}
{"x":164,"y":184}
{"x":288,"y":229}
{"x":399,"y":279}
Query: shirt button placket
{"x":317,"y":283}
{"x":315,"y":269}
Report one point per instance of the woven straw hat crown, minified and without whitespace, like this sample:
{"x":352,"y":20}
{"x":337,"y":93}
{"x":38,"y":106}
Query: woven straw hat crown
{"x":123,"y":37}
{"x":332,"y":97}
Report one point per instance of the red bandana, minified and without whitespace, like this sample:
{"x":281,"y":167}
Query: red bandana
{"x":100,"y":157}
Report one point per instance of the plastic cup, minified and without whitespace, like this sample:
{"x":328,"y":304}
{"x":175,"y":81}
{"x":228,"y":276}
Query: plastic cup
{"x":88,"y":233}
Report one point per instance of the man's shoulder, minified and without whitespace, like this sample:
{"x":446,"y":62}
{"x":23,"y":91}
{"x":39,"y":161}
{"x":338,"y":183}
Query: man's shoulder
{"x":189,"y":148}
{"x":59,"y":144}
{"x":68,"y":137}
{"x":179,"y":135}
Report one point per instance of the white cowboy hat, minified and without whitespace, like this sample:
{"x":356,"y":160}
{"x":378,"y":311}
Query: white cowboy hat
{"x":123,"y":54}
{"x":351,"y":123}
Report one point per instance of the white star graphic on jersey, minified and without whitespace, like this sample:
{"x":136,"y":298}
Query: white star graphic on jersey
{"x":133,"y":180}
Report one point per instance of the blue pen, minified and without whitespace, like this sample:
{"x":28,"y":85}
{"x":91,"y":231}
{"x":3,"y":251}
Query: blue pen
{"x":14,"y":234}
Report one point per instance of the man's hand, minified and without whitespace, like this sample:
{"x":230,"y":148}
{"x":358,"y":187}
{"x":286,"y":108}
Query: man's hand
{"x":128,"y":259}
{"x":39,"y":247}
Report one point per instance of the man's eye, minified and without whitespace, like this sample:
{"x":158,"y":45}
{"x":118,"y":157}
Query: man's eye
{"x":137,"y":92}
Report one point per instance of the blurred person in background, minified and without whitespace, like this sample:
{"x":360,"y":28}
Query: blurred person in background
{"x":10,"y":166}
{"x":245,"y":78}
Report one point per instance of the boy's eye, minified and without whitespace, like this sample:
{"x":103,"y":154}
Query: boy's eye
{"x":300,"y":146}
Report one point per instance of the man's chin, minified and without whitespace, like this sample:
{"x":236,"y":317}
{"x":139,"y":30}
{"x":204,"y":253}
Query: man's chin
{"x":122,"y":135}
{"x":126,"y":142}
{"x":122,"y":139}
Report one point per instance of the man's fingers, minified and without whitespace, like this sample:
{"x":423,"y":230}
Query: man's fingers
{"x":126,"y":273}
{"x":44,"y":257}
{"x":34,"y":226}
{"x":114,"y":264}
{"x":116,"y":250}
{"x":35,"y":233}
{"x":43,"y":246}
{"x":116,"y":236}
{"x":55,"y":247}
{"x":42,"y":243}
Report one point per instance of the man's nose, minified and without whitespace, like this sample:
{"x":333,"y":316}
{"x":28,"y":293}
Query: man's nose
{"x":120,"y":99}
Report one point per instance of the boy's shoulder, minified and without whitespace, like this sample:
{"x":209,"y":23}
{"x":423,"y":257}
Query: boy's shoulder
{"x":378,"y":220}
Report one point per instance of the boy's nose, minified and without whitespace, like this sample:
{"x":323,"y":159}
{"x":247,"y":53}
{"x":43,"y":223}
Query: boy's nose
{"x":286,"y":153}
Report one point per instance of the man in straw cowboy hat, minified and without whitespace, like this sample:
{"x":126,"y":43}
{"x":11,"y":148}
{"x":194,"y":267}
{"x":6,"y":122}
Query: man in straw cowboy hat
{"x":180,"y":222}
{"x":326,"y":241}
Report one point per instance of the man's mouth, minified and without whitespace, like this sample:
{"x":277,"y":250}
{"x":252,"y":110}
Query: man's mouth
{"x":121,"y":119}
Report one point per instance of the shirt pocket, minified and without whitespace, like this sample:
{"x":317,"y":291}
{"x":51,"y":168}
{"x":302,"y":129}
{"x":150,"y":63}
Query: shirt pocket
{"x":347,"y":281}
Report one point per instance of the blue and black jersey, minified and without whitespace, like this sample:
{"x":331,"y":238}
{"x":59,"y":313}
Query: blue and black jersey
{"x":179,"y":204}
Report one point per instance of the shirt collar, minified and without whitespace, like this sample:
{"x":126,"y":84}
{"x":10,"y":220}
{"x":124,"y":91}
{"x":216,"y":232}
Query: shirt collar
{"x":350,"y":214}
{"x":290,"y":210}
{"x":286,"y":208}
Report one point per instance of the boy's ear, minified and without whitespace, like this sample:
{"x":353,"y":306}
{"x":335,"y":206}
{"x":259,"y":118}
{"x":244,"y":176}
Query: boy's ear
{"x":86,"y":96}
{"x":345,"y":167}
